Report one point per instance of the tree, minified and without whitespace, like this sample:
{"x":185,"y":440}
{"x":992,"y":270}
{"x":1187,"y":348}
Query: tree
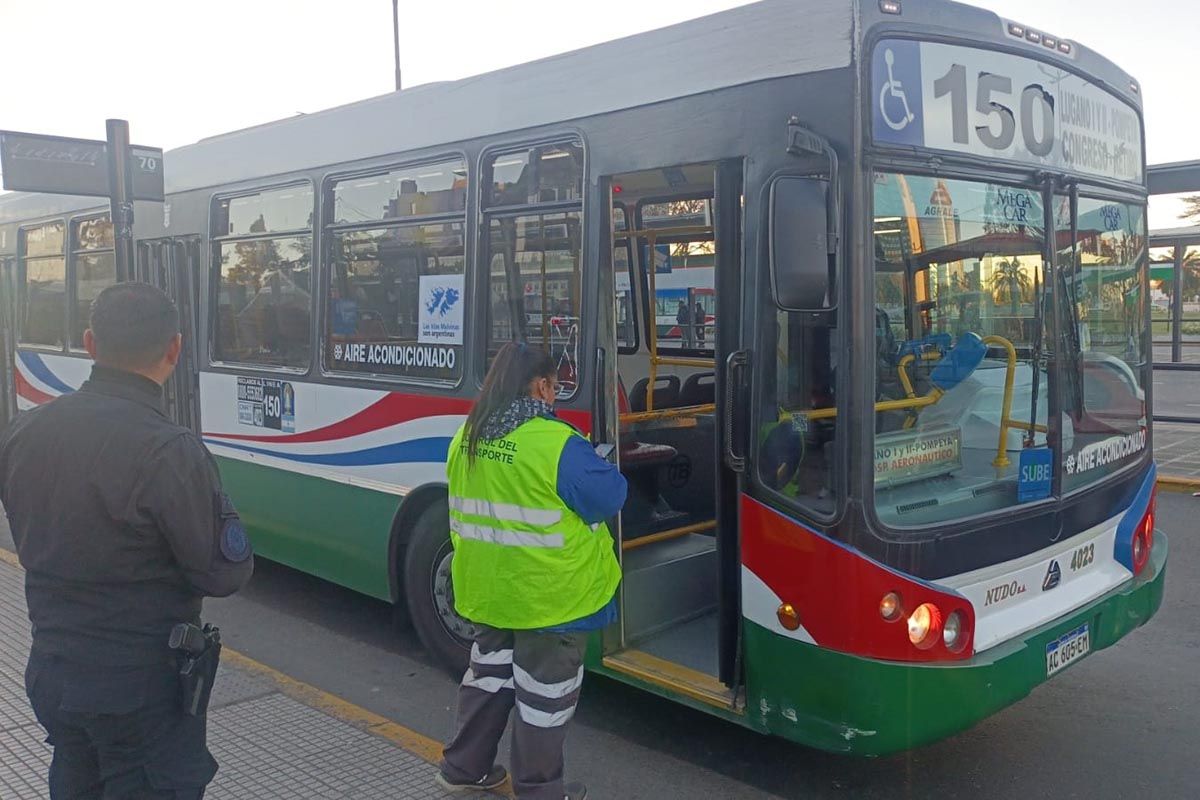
{"x":1191,"y":208}
{"x":1009,"y":282}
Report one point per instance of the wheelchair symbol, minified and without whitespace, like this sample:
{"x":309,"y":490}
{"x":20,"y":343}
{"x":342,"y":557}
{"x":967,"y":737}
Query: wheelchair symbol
{"x":894,"y":89}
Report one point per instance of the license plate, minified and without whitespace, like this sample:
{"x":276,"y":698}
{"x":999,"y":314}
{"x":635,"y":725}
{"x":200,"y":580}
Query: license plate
{"x":1067,"y":649}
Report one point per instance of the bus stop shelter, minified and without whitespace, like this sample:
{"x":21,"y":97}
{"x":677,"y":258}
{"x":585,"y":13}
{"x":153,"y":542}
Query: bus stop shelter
{"x":1175,"y":324}
{"x":1175,"y":301}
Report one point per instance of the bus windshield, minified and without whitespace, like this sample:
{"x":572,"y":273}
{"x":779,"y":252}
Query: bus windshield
{"x":966,"y":345}
{"x":1104,"y":284}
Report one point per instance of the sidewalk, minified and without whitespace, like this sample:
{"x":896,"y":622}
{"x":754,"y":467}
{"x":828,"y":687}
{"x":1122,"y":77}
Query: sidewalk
{"x":273,"y":737}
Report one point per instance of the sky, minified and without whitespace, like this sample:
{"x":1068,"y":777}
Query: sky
{"x":195,"y":69}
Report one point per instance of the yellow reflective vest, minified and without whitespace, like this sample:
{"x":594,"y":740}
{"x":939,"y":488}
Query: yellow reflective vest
{"x":522,"y":558}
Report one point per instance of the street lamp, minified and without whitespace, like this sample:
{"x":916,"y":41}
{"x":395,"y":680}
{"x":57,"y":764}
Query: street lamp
{"x":396,"y":37}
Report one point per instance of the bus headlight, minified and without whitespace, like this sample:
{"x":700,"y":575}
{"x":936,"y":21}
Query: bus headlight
{"x":924,"y":626}
{"x":889,"y":606}
{"x":953,"y":631}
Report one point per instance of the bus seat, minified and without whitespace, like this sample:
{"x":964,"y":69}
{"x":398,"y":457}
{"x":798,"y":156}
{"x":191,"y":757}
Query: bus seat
{"x":622,"y":396}
{"x":958,"y":364}
{"x":666,"y":393}
{"x":371,"y":326}
{"x":699,"y":389}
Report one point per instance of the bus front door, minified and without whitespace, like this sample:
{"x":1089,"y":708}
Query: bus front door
{"x":675,"y":266}
{"x":172,"y":265}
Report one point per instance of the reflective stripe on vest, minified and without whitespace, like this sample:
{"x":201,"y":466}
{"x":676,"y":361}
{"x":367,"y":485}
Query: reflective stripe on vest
{"x":506,"y":511}
{"x":484,"y":533}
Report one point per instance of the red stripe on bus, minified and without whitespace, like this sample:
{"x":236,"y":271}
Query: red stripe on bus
{"x":28,"y":391}
{"x":837,"y":590}
{"x":391,"y":409}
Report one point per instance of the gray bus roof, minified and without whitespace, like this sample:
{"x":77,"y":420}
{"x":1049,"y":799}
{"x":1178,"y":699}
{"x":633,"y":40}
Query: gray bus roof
{"x":742,"y":45}
{"x":755,"y":42}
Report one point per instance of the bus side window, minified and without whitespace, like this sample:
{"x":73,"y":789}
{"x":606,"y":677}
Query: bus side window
{"x":44,"y":295}
{"x":262,"y":247}
{"x":532,"y":262}
{"x":798,"y":438}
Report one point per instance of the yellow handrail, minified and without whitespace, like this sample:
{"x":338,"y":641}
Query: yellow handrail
{"x":1001,"y":460}
{"x":912,"y":402}
{"x":909,"y":391}
{"x":902,"y":369}
{"x":675,"y":533}
{"x":667,"y":413}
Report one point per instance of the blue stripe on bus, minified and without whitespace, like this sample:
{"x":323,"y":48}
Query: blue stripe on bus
{"x":33,"y":362}
{"x":430,"y":450}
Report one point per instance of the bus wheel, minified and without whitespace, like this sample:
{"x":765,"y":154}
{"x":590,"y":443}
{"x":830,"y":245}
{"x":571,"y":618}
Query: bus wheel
{"x":429,"y":593}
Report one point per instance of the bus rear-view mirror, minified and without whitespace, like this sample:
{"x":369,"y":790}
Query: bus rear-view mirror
{"x":799,"y":243}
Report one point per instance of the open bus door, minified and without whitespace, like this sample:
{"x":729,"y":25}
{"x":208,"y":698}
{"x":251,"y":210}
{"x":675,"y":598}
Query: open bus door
{"x":676,"y":237}
{"x":8,"y":340}
{"x":171,"y":264}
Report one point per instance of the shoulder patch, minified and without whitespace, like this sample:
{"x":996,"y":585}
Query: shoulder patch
{"x":235,"y":545}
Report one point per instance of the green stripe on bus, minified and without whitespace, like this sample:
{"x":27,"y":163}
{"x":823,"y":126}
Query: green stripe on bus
{"x":843,"y":703}
{"x":330,"y":529}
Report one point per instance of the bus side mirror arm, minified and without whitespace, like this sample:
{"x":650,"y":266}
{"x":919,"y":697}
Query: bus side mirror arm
{"x":803,"y":226}
{"x":804,"y":142}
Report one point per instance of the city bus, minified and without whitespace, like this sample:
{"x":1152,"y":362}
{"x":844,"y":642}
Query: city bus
{"x":903,"y":478}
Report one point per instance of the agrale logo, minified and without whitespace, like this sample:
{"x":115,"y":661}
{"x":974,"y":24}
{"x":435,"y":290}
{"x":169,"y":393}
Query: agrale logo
{"x":441,"y":300}
{"x":1003,"y":592}
{"x":1053,"y":576}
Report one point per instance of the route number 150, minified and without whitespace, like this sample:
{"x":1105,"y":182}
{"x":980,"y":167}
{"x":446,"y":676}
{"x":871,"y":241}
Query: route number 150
{"x":991,"y":93}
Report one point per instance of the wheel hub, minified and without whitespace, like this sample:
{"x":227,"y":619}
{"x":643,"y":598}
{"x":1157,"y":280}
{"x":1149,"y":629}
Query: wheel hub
{"x":443,"y":600}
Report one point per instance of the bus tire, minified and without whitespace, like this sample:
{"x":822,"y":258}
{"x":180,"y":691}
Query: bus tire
{"x":428,"y":592}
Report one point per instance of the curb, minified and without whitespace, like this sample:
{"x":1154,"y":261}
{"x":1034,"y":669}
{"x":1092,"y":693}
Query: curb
{"x":1177,"y":483}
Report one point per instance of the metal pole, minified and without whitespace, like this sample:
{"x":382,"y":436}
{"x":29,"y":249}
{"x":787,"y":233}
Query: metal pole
{"x":1177,"y":305}
{"x":396,"y":37}
{"x":120,"y":184}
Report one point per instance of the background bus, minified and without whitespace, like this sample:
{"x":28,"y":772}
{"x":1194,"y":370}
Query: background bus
{"x":901,"y":475}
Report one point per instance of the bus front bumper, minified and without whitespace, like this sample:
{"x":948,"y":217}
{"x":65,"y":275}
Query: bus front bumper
{"x":844,"y":703}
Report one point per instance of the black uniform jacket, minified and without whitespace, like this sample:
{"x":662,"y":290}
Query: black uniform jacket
{"x":119,"y":521}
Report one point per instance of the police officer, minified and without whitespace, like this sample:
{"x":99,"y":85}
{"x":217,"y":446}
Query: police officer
{"x":122,"y":528}
{"x":534,"y":568}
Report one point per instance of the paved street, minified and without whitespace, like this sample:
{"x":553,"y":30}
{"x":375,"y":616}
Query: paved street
{"x":1124,"y":722}
{"x":1177,"y":393}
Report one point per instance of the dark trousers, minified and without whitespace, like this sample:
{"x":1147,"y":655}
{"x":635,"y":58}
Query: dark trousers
{"x":118,"y":733}
{"x":541,"y":674}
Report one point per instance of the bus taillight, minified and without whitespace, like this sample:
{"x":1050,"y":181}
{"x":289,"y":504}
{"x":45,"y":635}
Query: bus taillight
{"x":1143,"y":536}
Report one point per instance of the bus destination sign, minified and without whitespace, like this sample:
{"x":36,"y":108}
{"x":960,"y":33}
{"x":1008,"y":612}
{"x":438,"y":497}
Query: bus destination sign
{"x":999,"y":105}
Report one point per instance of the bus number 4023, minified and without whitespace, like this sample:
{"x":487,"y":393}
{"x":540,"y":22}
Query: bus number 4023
{"x":990,"y":90}
{"x":1083,"y":556}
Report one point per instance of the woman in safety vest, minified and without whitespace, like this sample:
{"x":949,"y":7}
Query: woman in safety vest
{"x":534,"y":569}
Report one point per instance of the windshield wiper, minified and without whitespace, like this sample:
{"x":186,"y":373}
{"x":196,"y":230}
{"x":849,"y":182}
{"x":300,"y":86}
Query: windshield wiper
{"x":1069,"y":294}
{"x":1049,"y":246}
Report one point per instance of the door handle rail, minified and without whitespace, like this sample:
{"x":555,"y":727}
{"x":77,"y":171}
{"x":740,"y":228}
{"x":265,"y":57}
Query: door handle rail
{"x":735,"y":365}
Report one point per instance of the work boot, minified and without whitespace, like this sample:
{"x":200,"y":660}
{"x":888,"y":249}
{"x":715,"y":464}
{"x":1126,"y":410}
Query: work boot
{"x":576,"y":791}
{"x":496,"y":776}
